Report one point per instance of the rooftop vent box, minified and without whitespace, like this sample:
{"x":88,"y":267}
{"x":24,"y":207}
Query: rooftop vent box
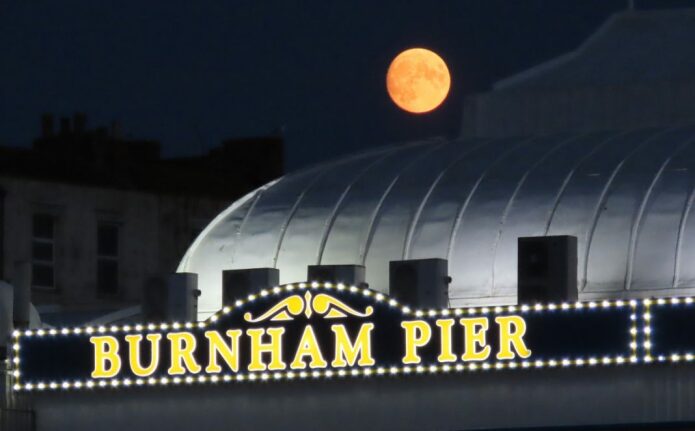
{"x":421,"y":283}
{"x":547,"y":269}
{"x":240,"y":283}
{"x":353,"y":275}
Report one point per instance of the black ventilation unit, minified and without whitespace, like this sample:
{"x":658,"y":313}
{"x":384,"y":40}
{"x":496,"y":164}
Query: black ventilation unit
{"x":174,"y":299}
{"x":154,"y":300}
{"x":547,"y":269}
{"x":421,"y":283}
{"x":182,"y":297}
{"x":353,"y":275}
{"x":239,"y":283}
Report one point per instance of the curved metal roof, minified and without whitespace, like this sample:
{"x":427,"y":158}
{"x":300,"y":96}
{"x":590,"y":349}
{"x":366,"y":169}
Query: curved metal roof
{"x":627,"y":196}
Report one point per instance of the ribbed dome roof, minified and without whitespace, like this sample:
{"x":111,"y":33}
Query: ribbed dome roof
{"x":627,"y":196}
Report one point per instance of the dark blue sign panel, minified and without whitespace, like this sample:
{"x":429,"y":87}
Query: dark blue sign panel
{"x":324,"y":330}
{"x":669,"y":329}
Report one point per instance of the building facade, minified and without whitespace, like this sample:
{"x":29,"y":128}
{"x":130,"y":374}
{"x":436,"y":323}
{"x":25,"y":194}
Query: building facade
{"x":95,"y":216}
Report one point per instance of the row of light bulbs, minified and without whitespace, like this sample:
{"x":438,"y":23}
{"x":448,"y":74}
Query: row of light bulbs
{"x":325,"y":374}
{"x":378,"y":297}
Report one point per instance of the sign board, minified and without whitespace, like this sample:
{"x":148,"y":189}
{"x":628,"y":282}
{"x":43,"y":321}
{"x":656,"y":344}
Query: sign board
{"x":321,"y":330}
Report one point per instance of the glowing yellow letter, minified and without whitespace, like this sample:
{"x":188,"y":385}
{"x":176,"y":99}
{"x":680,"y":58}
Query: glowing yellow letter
{"x":509,"y":337}
{"x":134,"y":354}
{"x":474,"y":331}
{"x":102,"y":355}
{"x":229,"y":352}
{"x":445,"y":353}
{"x":417,"y":334}
{"x":308,"y":346}
{"x":182,"y":348}
{"x":258,"y":348}
{"x":346,"y":352}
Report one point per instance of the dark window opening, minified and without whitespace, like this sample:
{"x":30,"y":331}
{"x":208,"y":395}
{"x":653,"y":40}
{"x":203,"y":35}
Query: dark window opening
{"x":43,"y":225}
{"x":43,"y":251}
{"x":107,"y":259}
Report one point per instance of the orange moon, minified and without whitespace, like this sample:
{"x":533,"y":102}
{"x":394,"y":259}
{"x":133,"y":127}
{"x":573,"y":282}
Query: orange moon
{"x":418,"y":80}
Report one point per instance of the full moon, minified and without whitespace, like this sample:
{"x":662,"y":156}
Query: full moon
{"x":418,"y":80}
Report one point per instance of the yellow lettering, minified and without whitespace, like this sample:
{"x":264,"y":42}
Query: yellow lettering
{"x":474,"y":331}
{"x":512,"y":337}
{"x":445,"y":353}
{"x":134,"y":354}
{"x":229,"y":352}
{"x":346,"y":352}
{"x":105,"y":351}
{"x":308,"y":346}
{"x":258,"y":348}
{"x":182,"y":347}
{"x":417,"y":334}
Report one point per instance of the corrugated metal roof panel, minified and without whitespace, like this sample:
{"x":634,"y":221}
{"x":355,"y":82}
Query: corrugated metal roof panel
{"x":627,"y":196}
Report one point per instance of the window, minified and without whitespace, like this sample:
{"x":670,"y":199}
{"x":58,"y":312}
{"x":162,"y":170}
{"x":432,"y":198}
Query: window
{"x":43,"y":251}
{"x":107,"y":258}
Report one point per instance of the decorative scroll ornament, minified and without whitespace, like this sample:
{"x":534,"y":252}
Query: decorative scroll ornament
{"x":322,"y":304}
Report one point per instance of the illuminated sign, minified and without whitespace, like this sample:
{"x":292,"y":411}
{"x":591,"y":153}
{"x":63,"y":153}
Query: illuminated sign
{"x":321,"y":330}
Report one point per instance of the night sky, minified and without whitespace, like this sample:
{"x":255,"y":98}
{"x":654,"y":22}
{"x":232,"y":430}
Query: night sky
{"x":191,"y":73}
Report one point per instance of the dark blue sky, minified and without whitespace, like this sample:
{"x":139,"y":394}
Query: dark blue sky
{"x":191,"y":73}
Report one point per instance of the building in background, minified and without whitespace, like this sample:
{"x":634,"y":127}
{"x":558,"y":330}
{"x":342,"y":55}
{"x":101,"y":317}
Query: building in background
{"x":636,"y":70}
{"x":95,"y":215}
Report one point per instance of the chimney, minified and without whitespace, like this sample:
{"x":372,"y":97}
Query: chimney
{"x":46,"y":125}
{"x":64,"y":125}
{"x":79,"y":122}
{"x":116,"y":130}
